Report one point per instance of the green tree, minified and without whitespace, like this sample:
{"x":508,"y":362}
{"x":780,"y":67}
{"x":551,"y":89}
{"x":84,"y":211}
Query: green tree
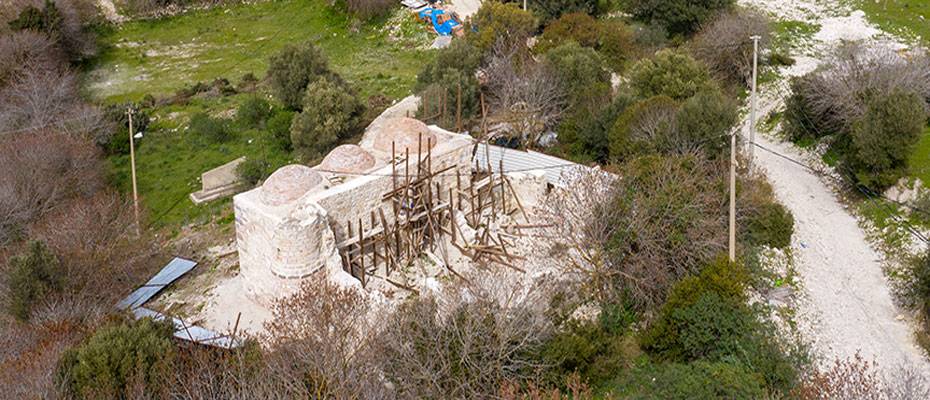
{"x":548,"y":10}
{"x":704,"y":121}
{"x":460,"y":56}
{"x":331,"y":111}
{"x":496,"y":21}
{"x":883,"y":138}
{"x":579,"y":68}
{"x":118,"y":357}
{"x":644,"y":128}
{"x":670,"y":73}
{"x":677,"y":16}
{"x":31,"y":276}
{"x":292,"y":69}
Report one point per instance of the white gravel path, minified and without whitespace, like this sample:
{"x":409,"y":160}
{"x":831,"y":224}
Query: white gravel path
{"x":845,"y":305}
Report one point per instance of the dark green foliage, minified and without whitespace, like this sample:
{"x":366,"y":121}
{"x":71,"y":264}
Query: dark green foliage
{"x":548,"y":10}
{"x":779,"y":59}
{"x":47,"y":20}
{"x":331,"y":111}
{"x":587,"y":135}
{"x":499,"y":22}
{"x":279,"y":127}
{"x":698,"y":380}
{"x":116,"y":141}
{"x":882,"y":139}
{"x":30,"y":276}
{"x":670,"y":73}
{"x":118,"y":358}
{"x":579,"y":69}
{"x":677,"y":16}
{"x":704,"y":121}
{"x":293,"y":69}
{"x":253,"y":112}
{"x":801,"y":122}
{"x":213,"y":129}
{"x":611,"y":38}
{"x":706,"y":318}
{"x":771,"y":225}
{"x":252,"y":171}
{"x":459,"y":56}
{"x":644,"y":128}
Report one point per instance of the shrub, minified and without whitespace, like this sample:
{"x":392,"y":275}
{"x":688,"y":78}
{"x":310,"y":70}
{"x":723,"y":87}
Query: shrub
{"x":331,"y":111}
{"x":579,"y":69}
{"x":646,"y":127}
{"x":253,"y":112}
{"x":213,"y":129}
{"x":30,"y":277}
{"x":460,"y":55}
{"x":119,"y":358}
{"x":292,"y":69}
{"x":802,"y":121}
{"x":699,"y":380}
{"x":247,"y":83}
{"x":367,"y":9}
{"x":670,"y":73}
{"x":252,"y":171}
{"x":499,"y":22}
{"x":677,"y":16}
{"x":434,"y":110}
{"x":771,"y":225}
{"x":577,"y":26}
{"x":704,"y":122}
{"x":279,"y":127}
{"x":548,"y":10}
{"x":48,"y":19}
{"x":883,"y":138}
{"x":919,"y":287}
{"x":587,"y":135}
{"x":116,"y":141}
{"x":617,"y":43}
{"x":724,"y":45}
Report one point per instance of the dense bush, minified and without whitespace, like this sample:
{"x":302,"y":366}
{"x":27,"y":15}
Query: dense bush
{"x":292,"y":69}
{"x":253,"y":112}
{"x":646,"y":127}
{"x":30,"y":277}
{"x":279,"y":127}
{"x":803,"y":122}
{"x":47,"y":19}
{"x":882,"y":139}
{"x":919,"y":290}
{"x":460,"y":55}
{"x":670,"y":73}
{"x":677,"y":16}
{"x":119,"y":359}
{"x":64,"y":22}
{"x":586,"y":133}
{"x":771,"y":225}
{"x":548,"y":10}
{"x":617,"y":43}
{"x":697,"y":380}
{"x":724,"y":45}
{"x":611,"y":38}
{"x":706,"y":318}
{"x":580,"y":69}
{"x":253,"y":170}
{"x":499,"y":22}
{"x":213,"y":129}
{"x":331,"y":111}
{"x":439,"y":101}
{"x":704,"y":122}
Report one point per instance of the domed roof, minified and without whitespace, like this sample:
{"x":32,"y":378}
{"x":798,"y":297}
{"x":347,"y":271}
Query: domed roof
{"x":347,"y":158}
{"x":404,"y":133}
{"x":289,"y":183}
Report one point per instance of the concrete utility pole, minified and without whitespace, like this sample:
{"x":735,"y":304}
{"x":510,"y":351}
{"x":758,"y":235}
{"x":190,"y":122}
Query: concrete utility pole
{"x":752,"y":107}
{"x":132,"y":161}
{"x":733,"y":196}
{"x":524,"y":5}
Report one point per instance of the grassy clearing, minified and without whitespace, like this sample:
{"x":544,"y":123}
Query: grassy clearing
{"x":169,"y":161}
{"x":160,"y":56}
{"x":905,"y":18}
{"x":789,"y":34}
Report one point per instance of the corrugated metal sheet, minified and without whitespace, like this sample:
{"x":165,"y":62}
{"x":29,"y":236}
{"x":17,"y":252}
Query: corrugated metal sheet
{"x":522,"y":161}
{"x":191,"y":333}
{"x":171,"y":272}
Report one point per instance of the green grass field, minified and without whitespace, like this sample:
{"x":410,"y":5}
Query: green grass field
{"x":906,"y":18}
{"x":160,"y":56}
{"x":919,"y":162}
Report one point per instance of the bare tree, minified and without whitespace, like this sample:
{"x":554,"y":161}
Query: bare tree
{"x":724,"y":45}
{"x":524,"y":94}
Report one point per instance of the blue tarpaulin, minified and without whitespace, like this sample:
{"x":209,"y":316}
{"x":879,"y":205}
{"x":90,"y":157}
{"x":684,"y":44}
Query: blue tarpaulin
{"x":445,"y":28}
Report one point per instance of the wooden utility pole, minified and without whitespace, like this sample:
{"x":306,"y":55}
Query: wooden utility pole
{"x":733,"y":197}
{"x":752,"y":106}
{"x":132,"y":161}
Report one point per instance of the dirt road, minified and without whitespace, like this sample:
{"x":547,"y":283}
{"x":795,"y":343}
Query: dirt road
{"x":845,"y":305}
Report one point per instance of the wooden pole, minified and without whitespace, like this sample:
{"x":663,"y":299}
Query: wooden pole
{"x":732,"y":197}
{"x":458,"y":109}
{"x":132,"y":161}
